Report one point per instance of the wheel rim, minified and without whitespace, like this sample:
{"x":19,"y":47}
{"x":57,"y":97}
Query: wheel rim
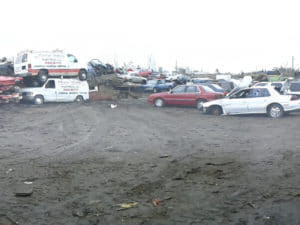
{"x":38,"y":101}
{"x":83,"y":76}
{"x":159,"y":103}
{"x":200,"y":105}
{"x":275,"y":111}
{"x":216,"y":111}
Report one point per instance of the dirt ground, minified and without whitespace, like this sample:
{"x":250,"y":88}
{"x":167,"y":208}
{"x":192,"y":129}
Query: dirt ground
{"x":85,"y":160}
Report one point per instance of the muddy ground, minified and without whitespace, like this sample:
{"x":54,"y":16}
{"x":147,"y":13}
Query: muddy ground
{"x":85,"y":160}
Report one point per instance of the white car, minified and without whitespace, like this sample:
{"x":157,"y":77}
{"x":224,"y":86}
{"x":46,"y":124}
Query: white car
{"x":254,"y":100}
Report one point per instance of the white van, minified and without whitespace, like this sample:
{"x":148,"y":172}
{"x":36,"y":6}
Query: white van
{"x":44,"y":64}
{"x":57,"y":90}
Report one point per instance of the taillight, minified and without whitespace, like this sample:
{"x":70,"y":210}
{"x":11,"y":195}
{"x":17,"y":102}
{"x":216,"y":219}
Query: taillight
{"x":294,"y":97}
{"x":29,"y":66}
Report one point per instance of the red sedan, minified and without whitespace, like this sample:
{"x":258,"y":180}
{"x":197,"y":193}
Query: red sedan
{"x":186,"y":95}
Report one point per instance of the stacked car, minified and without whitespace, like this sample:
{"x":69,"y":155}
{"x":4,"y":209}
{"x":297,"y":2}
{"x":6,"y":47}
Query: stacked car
{"x":9,"y":91}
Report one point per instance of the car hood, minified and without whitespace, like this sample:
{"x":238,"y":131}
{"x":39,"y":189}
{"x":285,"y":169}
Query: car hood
{"x":32,"y":89}
{"x":214,"y":102}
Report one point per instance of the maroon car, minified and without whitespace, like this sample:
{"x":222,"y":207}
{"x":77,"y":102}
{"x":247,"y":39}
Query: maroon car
{"x":186,"y":95}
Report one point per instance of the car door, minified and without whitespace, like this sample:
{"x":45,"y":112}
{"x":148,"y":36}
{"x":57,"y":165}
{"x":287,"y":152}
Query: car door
{"x":50,"y":92}
{"x":72,"y":62}
{"x":176,"y":97}
{"x":237,"y":103}
{"x":191,"y":95}
{"x":258,"y":99}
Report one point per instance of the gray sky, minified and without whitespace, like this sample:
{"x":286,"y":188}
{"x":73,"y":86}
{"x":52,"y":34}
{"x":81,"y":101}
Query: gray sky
{"x":231,"y":35}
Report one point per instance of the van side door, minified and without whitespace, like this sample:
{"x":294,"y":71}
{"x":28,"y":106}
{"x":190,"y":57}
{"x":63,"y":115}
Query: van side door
{"x":50,"y":91}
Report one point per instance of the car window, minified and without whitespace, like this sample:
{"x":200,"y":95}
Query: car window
{"x":240,"y":94}
{"x":216,"y":87}
{"x":295,"y":87}
{"x":191,"y":89}
{"x":178,"y":89}
{"x":258,"y":92}
{"x":24,"y":58}
{"x":72,"y":58}
{"x":261,"y":84}
{"x":207,"y":89}
{"x":50,"y":84}
{"x":278,"y":85}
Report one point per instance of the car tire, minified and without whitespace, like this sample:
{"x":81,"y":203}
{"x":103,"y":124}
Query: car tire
{"x":38,"y":100}
{"x":275,"y":111}
{"x":216,"y":110}
{"x":79,"y":99}
{"x":159,"y":102}
{"x":42,"y":76}
{"x":199,"y":104}
{"x":82,"y":75}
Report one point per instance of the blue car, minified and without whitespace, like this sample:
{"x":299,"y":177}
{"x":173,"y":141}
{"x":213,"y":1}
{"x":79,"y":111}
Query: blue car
{"x":157,"y":86}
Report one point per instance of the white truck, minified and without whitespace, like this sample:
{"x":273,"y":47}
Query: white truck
{"x":57,"y":90}
{"x":44,"y":64}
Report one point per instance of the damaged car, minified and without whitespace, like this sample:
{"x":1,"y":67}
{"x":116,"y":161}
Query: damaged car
{"x":157,"y":86}
{"x":255,"y":100}
{"x":184,"y":95}
{"x":6,"y":67}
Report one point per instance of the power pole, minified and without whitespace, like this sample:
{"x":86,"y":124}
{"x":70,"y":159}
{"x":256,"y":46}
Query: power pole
{"x":292,"y":63}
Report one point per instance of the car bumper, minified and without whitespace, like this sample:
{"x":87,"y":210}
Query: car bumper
{"x":292,"y":106}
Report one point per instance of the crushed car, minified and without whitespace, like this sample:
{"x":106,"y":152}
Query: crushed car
{"x":6,"y":67}
{"x":254,"y":100}
{"x":9,"y":89}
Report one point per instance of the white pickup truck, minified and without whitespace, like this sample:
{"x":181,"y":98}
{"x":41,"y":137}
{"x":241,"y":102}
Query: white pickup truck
{"x":57,"y":90}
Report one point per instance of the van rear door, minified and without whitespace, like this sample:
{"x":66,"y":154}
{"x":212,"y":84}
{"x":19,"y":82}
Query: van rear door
{"x":24,"y":63}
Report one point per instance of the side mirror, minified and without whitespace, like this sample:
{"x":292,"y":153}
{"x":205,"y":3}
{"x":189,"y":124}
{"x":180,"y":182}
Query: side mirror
{"x":170,"y":92}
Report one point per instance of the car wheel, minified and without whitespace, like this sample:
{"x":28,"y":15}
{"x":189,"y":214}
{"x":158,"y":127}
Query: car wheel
{"x":199,"y":104}
{"x":79,"y":99}
{"x":275,"y":111}
{"x":43,"y":76}
{"x":159,"y":102}
{"x":82,"y":75}
{"x":38,"y":100}
{"x":216,"y":110}
{"x":155,"y":90}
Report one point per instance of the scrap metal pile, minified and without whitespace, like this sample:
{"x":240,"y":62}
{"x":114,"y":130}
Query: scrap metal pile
{"x":9,"y":90}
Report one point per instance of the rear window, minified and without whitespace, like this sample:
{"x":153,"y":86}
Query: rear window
{"x":24,"y":58}
{"x":295,"y":87}
{"x":207,"y":89}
